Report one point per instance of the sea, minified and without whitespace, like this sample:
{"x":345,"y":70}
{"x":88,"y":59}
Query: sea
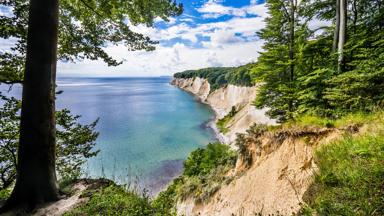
{"x":147,"y":127}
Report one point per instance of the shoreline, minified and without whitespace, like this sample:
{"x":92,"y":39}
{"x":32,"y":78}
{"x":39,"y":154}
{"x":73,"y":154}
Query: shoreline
{"x":212,"y":122}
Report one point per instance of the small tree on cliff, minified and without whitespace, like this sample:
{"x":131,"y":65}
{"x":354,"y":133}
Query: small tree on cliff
{"x":85,"y":26}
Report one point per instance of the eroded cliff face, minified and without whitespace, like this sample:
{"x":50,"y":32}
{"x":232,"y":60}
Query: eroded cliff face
{"x":281,"y":172}
{"x":222,"y":100}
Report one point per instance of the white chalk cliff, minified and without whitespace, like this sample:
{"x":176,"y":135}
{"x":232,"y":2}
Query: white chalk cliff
{"x":222,"y":100}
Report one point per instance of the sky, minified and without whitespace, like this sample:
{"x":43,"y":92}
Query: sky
{"x":210,"y":33}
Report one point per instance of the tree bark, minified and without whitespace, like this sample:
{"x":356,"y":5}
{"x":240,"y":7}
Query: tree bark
{"x":291,"y":48}
{"x":342,"y":34}
{"x":36,"y":177}
{"x":337,"y":27}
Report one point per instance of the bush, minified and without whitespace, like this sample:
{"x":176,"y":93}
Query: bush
{"x":222,"y":123}
{"x":203,"y":160}
{"x":205,"y":171}
{"x":114,"y":200}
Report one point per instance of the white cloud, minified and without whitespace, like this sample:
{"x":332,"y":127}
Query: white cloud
{"x":213,"y":9}
{"x":226,"y":43}
{"x":165,"y":60}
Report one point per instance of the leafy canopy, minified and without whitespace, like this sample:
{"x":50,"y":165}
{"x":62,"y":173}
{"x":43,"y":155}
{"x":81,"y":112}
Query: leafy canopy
{"x":86,"y":27}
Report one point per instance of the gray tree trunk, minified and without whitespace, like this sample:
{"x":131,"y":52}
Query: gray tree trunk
{"x":342,"y":33}
{"x":337,"y":27}
{"x":36,"y":178}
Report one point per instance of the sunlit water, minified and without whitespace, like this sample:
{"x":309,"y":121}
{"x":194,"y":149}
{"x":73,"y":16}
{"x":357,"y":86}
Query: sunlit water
{"x":147,"y":127}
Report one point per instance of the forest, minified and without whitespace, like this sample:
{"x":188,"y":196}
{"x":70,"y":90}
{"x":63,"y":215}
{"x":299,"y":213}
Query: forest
{"x":219,"y":77}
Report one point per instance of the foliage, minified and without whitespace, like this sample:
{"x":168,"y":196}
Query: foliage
{"x":219,"y":77}
{"x":9,"y":137}
{"x":165,"y":201}
{"x":276,"y":66}
{"x":85,"y":28}
{"x":357,"y":118}
{"x":317,"y":87}
{"x":205,"y":171}
{"x":114,"y":200}
{"x":351,"y":176}
{"x":222,"y":123}
{"x":243,"y":141}
{"x":203,"y":160}
{"x":75,"y":142}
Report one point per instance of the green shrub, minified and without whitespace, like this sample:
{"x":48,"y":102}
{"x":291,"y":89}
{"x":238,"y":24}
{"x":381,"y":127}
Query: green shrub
{"x":114,"y":200}
{"x":205,"y":171}
{"x":203,"y":160}
{"x":222,"y":123}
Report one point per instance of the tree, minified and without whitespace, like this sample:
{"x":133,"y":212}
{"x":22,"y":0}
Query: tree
{"x":332,"y":75}
{"x":276,"y":65}
{"x":104,"y":21}
{"x":85,"y":27}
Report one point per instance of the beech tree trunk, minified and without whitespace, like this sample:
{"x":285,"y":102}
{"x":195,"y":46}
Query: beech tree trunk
{"x":36,"y":177}
{"x":293,"y":4}
{"x":342,"y":33}
{"x":337,"y":27}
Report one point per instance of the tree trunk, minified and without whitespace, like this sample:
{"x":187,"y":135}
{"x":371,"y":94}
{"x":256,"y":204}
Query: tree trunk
{"x":342,"y":34}
{"x":36,"y":178}
{"x":291,"y":49}
{"x":337,"y":28}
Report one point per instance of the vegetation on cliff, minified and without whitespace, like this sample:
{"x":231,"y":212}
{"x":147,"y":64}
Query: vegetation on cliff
{"x":350,"y":176}
{"x":205,"y":171}
{"x":222,"y":123}
{"x":350,"y":179}
{"x":219,"y":77}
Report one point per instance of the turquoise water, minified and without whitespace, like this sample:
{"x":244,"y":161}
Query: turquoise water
{"x":147,"y":127}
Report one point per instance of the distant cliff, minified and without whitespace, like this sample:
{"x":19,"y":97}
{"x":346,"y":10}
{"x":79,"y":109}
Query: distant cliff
{"x":224,"y":100}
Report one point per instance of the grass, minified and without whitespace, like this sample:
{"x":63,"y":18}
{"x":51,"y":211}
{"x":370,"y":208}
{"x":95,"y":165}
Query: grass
{"x":343,"y":121}
{"x":351,"y":177}
{"x":114,"y":200}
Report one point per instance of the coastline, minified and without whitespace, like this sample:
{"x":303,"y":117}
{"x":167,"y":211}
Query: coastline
{"x":212,"y":122}
{"x":222,"y":101}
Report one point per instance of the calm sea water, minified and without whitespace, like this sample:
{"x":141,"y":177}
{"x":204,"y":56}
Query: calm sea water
{"x":147,"y":127}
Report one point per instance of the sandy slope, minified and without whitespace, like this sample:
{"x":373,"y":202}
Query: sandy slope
{"x":280,"y":175}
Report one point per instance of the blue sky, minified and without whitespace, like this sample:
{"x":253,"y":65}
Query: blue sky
{"x":209,"y":33}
